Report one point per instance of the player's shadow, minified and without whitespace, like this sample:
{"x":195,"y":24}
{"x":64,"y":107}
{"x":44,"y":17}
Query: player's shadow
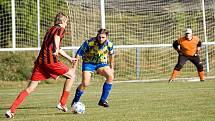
{"x":46,"y":114}
{"x":36,"y":114}
{"x":47,"y":107}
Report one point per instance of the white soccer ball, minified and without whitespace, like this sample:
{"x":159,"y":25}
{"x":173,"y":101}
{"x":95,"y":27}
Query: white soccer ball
{"x":78,"y":107}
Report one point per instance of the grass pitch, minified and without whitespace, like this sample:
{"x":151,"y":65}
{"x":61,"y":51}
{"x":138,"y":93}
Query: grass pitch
{"x":157,"y":101}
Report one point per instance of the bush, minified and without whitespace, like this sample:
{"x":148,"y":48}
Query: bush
{"x":16,"y":66}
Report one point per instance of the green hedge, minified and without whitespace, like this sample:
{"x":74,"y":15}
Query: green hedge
{"x":16,"y":66}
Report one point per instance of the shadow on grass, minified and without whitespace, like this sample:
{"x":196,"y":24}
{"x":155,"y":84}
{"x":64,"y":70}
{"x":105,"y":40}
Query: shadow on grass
{"x":35,"y":114}
{"x":48,"y":107}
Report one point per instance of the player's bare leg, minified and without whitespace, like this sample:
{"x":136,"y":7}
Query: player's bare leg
{"x":30,"y":88}
{"x":108,"y":74}
{"x":70,"y":77}
{"x":86,"y":77}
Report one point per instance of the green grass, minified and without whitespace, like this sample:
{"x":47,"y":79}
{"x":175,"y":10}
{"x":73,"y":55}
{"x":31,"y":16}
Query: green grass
{"x":157,"y":101}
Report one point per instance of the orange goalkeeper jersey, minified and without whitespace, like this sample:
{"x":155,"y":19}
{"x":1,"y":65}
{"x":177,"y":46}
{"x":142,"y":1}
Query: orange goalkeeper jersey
{"x":188,"y":47}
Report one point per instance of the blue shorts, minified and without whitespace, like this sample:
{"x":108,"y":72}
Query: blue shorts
{"x":92,"y":67}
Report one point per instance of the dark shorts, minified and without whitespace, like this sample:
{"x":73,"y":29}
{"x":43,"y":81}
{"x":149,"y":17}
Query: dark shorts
{"x":193,"y":59}
{"x":45,"y":71}
{"x":92,"y":67}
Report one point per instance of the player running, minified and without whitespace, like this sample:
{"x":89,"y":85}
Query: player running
{"x":95,"y":53}
{"x":48,"y":65}
{"x":189,"y":50}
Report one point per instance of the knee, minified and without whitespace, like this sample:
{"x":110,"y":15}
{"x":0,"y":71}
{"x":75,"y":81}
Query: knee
{"x":84,"y":85}
{"x":200,"y":67}
{"x":29,"y":90}
{"x":178,"y":67}
{"x":110,"y":78}
{"x":70,"y":74}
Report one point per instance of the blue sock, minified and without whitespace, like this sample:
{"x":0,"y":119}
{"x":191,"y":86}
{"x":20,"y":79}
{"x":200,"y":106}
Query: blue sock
{"x":78,"y":94}
{"x":106,"y":90}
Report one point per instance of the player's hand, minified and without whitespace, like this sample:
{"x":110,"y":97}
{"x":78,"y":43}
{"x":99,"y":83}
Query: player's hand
{"x":73,"y":60}
{"x":56,"y":53}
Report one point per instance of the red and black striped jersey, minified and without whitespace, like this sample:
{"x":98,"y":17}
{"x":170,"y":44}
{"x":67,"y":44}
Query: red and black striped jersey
{"x":48,"y":47}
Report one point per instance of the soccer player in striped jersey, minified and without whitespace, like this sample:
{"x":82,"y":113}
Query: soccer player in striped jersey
{"x":189,"y":50}
{"x":95,"y":53}
{"x":48,"y":65}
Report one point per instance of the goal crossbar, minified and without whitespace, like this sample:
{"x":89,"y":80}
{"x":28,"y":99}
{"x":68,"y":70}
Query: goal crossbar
{"x":117,"y":46}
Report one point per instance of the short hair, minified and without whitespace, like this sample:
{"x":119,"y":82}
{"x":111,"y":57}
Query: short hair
{"x":103,"y":31}
{"x":59,"y":18}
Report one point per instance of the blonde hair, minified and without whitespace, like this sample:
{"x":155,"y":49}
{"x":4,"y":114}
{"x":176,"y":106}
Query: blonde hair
{"x":59,"y":18}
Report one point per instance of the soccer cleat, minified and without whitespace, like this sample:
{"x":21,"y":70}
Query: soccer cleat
{"x":62,"y":108}
{"x":170,"y":81}
{"x":202,"y":80}
{"x":9,"y":114}
{"x":104,"y":104}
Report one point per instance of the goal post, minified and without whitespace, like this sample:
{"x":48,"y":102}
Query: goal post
{"x":102,"y":13}
{"x":205,"y":35}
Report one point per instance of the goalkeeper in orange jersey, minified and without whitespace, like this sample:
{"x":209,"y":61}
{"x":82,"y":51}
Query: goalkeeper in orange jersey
{"x":189,"y":50}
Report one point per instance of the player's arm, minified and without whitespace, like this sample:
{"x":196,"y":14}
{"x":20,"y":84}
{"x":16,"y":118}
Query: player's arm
{"x":57,"y":45}
{"x":80,"y":52}
{"x":58,"y":50}
{"x":175,"y":46}
{"x":111,"y":60}
{"x":64,"y":54}
{"x":198,"y":48}
{"x":111,"y":57}
{"x":84,"y":47}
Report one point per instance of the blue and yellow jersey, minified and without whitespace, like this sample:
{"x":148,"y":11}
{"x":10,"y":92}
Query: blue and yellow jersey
{"x":94,"y":52}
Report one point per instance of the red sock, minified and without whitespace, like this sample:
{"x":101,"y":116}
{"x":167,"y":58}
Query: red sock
{"x":174,"y":73}
{"x":18,"y":100}
{"x":64,"y":98}
{"x":201,"y":75}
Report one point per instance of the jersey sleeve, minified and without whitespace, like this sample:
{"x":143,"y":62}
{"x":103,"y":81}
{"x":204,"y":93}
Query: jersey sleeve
{"x":199,"y":44}
{"x":60,"y":32}
{"x":175,"y":44}
{"x":82,"y":49}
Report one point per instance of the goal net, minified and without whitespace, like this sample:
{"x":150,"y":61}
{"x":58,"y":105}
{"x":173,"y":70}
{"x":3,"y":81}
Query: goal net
{"x":142,"y":31}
